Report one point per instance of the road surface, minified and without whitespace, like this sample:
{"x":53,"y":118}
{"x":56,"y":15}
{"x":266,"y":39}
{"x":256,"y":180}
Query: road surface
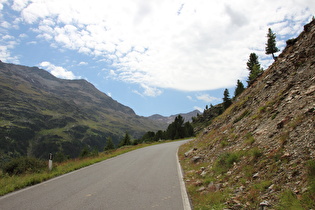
{"x":146,"y":178}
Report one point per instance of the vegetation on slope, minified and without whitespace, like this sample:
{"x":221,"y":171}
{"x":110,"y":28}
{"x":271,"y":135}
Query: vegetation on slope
{"x":40,"y":113}
{"x":260,"y":152}
{"x":20,"y":172}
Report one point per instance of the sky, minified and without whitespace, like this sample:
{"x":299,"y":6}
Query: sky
{"x":156,"y":56}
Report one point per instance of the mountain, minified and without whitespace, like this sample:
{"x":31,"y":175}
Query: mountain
{"x":261,"y":151}
{"x":168,"y":120}
{"x":40,"y":113}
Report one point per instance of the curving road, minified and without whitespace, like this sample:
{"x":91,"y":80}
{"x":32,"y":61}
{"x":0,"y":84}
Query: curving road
{"x":146,"y":178}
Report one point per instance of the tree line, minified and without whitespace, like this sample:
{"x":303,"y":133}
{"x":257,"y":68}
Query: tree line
{"x":179,"y":128}
{"x":255,"y":70}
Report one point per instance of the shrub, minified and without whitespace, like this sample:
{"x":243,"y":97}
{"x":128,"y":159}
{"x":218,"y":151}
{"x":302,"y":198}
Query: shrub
{"x":311,"y":169}
{"x":225,"y":161}
{"x":24,"y":165}
{"x":256,"y":153}
{"x":249,"y":139}
{"x":311,"y":179}
{"x":244,"y":114}
{"x":288,"y":200}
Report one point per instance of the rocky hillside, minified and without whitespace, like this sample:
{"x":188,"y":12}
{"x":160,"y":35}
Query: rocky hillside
{"x":260,"y":153}
{"x":40,"y":113}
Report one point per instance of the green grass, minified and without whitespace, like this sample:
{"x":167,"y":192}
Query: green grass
{"x":244,"y":114}
{"x":225,"y":161}
{"x":213,"y":201}
{"x":11,"y":183}
{"x":289,"y":201}
{"x":255,"y":153}
{"x":249,"y":139}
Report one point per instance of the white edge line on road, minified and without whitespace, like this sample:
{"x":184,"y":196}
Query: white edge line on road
{"x":185,"y":198}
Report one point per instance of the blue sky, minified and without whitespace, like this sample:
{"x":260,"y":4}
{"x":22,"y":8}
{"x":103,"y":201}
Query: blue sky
{"x":157,"y":57}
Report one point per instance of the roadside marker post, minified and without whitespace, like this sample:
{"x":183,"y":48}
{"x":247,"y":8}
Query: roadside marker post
{"x":50,"y":162}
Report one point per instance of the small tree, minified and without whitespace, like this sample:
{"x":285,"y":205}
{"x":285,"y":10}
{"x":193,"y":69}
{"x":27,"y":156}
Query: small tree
{"x":189,"y":129}
{"x":148,"y":136}
{"x":125,"y":141}
{"x":176,"y":129}
{"x":271,"y":47}
{"x":239,"y":88}
{"x":226,"y":99}
{"x":253,"y":66}
{"x":109,"y":144}
{"x":85,"y":152}
{"x":252,"y":60}
{"x":254,"y":74}
{"x":159,"y":135}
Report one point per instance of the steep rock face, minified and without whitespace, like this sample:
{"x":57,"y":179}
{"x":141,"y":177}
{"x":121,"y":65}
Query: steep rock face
{"x":260,"y":147}
{"x":40,"y":113}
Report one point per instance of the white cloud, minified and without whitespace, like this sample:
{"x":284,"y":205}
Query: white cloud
{"x":5,"y":24}
{"x":58,"y":71}
{"x":138,"y":93}
{"x":5,"y":55}
{"x":7,"y":43}
{"x":1,"y":3}
{"x":82,"y":63}
{"x":7,"y":37}
{"x":19,"y":4}
{"x":190,"y":98}
{"x":183,"y":45}
{"x":31,"y":43}
{"x":23,"y":35}
{"x":207,"y":98}
{"x":151,"y":91}
{"x":198,"y":108}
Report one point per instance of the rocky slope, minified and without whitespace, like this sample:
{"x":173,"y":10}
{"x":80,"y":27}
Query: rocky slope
{"x":40,"y":113}
{"x":261,"y":151}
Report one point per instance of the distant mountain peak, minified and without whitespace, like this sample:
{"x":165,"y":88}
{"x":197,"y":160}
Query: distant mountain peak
{"x":168,"y":120}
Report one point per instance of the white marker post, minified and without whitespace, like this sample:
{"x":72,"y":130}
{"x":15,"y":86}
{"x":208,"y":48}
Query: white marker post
{"x":50,"y":163}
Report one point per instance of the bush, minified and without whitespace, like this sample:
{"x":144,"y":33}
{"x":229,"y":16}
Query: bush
{"x":288,"y":200}
{"x":24,"y":165}
{"x":225,"y":161}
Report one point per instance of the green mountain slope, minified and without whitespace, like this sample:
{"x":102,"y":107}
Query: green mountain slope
{"x":40,"y":113}
{"x":261,"y":151}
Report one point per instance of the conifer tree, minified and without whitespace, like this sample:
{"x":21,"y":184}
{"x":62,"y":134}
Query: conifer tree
{"x":159,"y":135}
{"x":176,"y":129}
{"x":271,"y":47}
{"x":109,"y":144}
{"x":253,"y":66}
{"x":254,"y":74}
{"x":189,"y":130}
{"x":239,"y":88}
{"x":252,"y":60}
{"x":125,"y":141}
{"x":226,"y":99}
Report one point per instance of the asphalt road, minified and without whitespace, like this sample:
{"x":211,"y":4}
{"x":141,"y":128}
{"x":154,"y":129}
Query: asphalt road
{"x":146,"y":178}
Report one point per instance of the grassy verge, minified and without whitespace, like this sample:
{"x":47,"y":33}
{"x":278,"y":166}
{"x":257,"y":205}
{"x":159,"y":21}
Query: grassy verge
{"x":230,"y":180}
{"x":11,"y":183}
{"x":195,"y":182}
